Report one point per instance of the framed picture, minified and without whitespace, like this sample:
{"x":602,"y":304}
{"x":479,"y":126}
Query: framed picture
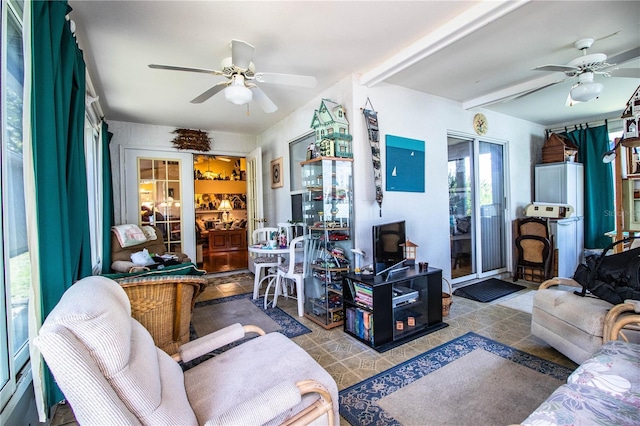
{"x":277,"y":180}
{"x":405,"y":164}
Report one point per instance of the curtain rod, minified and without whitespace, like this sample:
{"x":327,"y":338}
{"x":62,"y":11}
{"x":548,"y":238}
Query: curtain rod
{"x":613,"y":124}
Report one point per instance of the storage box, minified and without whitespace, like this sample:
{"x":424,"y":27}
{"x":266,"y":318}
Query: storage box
{"x":558,"y":149}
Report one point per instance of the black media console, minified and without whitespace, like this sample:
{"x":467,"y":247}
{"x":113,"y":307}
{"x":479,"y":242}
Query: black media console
{"x":385,"y":312}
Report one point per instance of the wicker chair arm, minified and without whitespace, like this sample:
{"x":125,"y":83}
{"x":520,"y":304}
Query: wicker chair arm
{"x":559,"y":281}
{"x":323,"y":405}
{"x":212,"y":341}
{"x":276,"y":401}
{"x":620,"y":317}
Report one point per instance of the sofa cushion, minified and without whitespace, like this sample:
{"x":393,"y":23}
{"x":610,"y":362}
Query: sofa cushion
{"x":573,"y":404}
{"x":240,"y":375}
{"x":614,"y":370}
{"x":585,"y":313}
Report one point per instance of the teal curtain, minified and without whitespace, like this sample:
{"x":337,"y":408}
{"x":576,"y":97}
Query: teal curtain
{"x":58,"y":111}
{"x":592,"y":143}
{"x":107,"y":199}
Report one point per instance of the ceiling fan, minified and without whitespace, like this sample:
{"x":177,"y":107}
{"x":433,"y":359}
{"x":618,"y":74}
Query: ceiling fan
{"x":241,"y":73}
{"x":585,"y":67}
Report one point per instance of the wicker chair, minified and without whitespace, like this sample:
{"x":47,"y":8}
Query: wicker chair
{"x":163,"y":304}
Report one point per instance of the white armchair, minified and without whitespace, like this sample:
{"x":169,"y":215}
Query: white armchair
{"x":110,"y":371}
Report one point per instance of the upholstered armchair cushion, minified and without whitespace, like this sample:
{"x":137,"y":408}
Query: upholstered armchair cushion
{"x":241,"y":375}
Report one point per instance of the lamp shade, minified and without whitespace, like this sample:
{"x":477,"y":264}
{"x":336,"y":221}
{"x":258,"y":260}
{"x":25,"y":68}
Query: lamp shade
{"x":225,"y":206}
{"x":584,"y":92}
{"x":237,"y":92}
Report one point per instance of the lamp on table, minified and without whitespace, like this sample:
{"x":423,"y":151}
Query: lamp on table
{"x":225,"y":208}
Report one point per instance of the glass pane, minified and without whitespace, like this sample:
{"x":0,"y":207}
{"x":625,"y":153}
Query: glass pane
{"x":15,"y":237}
{"x":173,"y":191}
{"x":297,"y":154}
{"x":146,"y":169}
{"x":491,"y":199}
{"x":173,"y":170}
{"x":461,"y":219}
{"x":160,"y":170}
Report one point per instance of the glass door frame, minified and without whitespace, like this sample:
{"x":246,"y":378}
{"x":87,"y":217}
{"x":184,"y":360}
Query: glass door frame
{"x":476,"y":257}
{"x":130,"y":210}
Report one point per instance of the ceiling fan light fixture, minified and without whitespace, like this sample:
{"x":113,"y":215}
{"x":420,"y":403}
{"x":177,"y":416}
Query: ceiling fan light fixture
{"x":584,"y":92}
{"x":237,"y":92}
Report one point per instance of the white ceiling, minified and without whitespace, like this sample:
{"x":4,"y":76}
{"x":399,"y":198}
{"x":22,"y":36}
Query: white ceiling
{"x":467,"y":51}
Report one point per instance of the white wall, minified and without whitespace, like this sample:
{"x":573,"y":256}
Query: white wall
{"x":411,"y":114}
{"x":145,"y":136}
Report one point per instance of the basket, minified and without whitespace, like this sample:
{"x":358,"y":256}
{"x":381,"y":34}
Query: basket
{"x":447,"y":299}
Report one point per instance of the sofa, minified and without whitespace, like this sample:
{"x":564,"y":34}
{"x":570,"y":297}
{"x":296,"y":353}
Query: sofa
{"x":575,"y":326}
{"x":604,"y":389}
{"x":129,"y":239}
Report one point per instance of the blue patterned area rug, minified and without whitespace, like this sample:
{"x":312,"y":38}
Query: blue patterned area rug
{"x":470,"y":380}
{"x":212,"y":315}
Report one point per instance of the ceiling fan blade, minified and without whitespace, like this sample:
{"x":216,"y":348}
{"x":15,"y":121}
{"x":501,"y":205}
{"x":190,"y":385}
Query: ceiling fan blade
{"x":625,"y":72}
{"x":623,"y":57}
{"x":263,"y":100}
{"x":174,"y":68}
{"x":560,"y":68}
{"x":287,"y":79}
{"x":241,"y":54}
{"x":209,"y":93}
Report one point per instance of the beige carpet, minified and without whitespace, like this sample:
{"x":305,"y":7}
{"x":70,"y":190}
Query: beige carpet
{"x":207,"y":319}
{"x":479,"y":388}
{"x":521,"y":302}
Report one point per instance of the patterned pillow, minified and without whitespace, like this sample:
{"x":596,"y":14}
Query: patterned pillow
{"x":129,"y":235}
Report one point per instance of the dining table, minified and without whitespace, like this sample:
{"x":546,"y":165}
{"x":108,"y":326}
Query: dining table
{"x":265,"y":249}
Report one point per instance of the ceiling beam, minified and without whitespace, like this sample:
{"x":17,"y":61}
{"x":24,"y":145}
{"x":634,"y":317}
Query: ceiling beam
{"x":514,"y":91}
{"x":462,"y":25}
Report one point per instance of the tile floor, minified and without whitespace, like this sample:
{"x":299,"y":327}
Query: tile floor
{"x":350,"y":361}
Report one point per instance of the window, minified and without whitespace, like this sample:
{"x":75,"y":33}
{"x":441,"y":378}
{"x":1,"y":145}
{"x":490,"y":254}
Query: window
{"x":15,"y":252}
{"x":297,"y":154}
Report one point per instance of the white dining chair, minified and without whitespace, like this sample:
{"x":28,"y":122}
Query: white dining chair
{"x":294,"y":269}
{"x":262,"y":264}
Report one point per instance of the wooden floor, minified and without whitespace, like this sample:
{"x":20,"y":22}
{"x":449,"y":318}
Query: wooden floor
{"x":224,"y":261}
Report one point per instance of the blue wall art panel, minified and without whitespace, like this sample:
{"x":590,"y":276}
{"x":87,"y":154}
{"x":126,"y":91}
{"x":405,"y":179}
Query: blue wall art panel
{"x":405,"y":164}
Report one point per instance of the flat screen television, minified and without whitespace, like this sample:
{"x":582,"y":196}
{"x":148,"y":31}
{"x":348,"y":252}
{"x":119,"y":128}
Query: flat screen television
{"x":387,"y":251}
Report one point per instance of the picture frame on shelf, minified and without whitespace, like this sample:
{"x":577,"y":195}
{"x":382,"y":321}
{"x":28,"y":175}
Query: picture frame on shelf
{"x":277,"y":179}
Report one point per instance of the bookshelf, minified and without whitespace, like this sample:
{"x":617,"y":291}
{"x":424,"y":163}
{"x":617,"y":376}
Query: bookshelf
{"x":387,"y":313}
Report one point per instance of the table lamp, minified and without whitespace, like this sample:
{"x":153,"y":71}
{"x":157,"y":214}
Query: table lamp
{"x":225,"y":208}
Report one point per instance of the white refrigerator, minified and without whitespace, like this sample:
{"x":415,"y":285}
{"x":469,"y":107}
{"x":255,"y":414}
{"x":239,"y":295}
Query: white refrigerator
{"x":564,"y":183}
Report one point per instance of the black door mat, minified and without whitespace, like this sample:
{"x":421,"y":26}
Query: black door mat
{"x":488,"y":290}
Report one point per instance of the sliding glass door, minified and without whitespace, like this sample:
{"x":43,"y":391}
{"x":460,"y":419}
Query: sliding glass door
{"x":477,"y":221}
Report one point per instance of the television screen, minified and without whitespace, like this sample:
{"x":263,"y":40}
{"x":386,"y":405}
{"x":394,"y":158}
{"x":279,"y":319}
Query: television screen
{"x":387,"y":250}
